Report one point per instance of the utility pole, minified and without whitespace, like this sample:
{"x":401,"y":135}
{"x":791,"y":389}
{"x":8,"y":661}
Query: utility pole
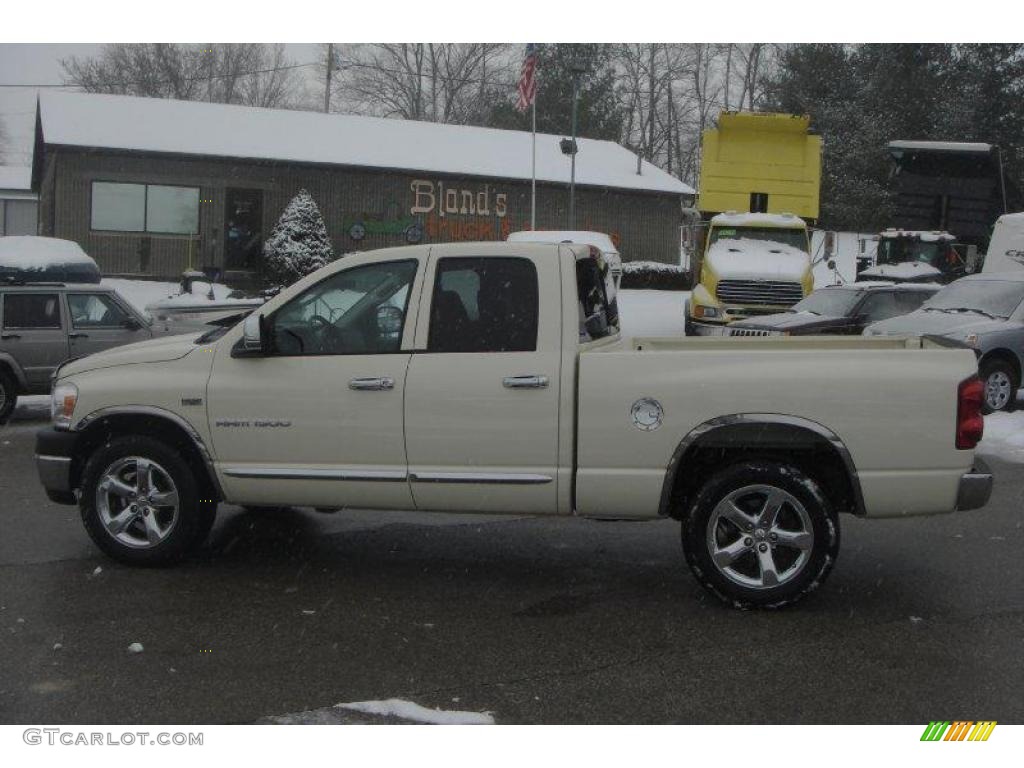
{"x":330,"y":69}
{"x":577,"y":71}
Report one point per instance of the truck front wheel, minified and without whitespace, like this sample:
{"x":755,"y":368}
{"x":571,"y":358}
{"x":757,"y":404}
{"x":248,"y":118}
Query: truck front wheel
{"x":761,"y":534}
{"x":140,"y":502}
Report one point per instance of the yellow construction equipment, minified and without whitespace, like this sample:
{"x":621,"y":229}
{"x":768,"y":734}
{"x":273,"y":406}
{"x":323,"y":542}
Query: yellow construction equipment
{"x":757,"y":162}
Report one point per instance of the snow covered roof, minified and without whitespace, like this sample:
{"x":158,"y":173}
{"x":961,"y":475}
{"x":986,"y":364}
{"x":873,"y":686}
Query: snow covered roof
{"x":16,"y":182}
{"x":599,"y":240}
{"x":223,"y":130}
{"x":941,"y":146}
{"x":925,"y":236}
{"x":736,"y":219}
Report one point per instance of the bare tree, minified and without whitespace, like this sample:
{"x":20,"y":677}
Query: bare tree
{"x":254,"y":74}
{"x":439,"y":82}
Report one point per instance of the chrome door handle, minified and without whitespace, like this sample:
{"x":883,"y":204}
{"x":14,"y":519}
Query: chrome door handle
{"x":525,"y":382}
{"x":372,"y":383}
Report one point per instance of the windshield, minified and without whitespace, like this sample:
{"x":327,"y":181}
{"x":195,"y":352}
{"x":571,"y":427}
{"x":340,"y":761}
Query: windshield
{"x":900,"y":250}
{"x":833,"y":302}
{"x":796,"y":238}
{"x":990,"y":297}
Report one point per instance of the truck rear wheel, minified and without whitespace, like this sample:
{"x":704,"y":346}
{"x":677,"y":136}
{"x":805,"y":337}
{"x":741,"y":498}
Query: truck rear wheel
{"x":761,"y":535}
{"x":141,"y":503}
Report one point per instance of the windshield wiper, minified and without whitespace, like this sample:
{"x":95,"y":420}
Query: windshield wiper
{"x":969,"y":309}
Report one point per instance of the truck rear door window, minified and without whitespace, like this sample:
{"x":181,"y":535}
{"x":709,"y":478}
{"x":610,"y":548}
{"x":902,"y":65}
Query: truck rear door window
{"x":31,"y":310}
{"x":598,"y":317}
{"x":484,"y":305}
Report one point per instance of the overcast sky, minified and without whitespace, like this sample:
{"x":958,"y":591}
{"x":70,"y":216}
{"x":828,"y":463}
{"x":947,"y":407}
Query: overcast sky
{"x":39,"y":63}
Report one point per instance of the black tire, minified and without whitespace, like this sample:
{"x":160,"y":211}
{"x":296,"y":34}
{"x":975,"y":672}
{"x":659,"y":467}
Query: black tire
{"x":803,"y":562}
{"x":998,"y":374}
{"x":687,"y":323}
{"x":8,"y":396}
{"x":194,"y":513}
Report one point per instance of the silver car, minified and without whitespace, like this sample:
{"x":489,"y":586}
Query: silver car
{"x":44,"y":324}
{"x":985,"y":312}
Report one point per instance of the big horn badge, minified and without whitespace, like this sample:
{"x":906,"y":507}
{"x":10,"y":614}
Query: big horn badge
{"x":647,"y":414}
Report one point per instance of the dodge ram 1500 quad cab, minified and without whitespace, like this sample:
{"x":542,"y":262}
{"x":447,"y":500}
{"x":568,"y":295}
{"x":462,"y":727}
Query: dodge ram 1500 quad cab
{"x":491,"y":377}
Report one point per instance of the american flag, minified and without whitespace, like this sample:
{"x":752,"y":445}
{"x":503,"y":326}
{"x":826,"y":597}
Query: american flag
{"x":527,"y":88}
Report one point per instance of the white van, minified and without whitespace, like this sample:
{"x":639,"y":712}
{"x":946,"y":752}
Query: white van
{"x":1006,"y":248}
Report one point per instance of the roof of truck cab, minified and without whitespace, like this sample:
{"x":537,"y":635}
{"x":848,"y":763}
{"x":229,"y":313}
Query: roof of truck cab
{"x":737,"y":219}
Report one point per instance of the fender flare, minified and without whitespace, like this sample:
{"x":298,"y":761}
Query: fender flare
{"x":153,"y":411}
{"x":754,"y":419}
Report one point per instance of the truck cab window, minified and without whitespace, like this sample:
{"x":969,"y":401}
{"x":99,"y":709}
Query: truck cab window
{"x":598,"y":317}
{"x":484,"y":305}
{"x":358,"y":311}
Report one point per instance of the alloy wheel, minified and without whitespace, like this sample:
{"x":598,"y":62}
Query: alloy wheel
{"x":137,"y":502}
{"x":760,"y":537}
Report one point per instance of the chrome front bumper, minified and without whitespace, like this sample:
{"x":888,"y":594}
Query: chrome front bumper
{"x":975,"y":488}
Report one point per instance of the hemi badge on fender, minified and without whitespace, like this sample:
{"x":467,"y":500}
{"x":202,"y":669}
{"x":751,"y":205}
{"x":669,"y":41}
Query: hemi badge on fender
{"x":191,"y":401}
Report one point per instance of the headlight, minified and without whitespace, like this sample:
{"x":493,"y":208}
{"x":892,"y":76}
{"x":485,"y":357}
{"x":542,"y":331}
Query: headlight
{"x":702,"y":311}
{"x":971,"y":339}
{"x":62,"y":405}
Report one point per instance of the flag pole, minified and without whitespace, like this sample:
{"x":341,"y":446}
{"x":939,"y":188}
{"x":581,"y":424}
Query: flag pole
{"x":533,"y":170}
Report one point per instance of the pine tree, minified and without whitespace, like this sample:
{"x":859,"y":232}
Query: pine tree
{"x":299,"y":243}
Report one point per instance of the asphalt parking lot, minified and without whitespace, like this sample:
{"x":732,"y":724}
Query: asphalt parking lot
{"x":532,"y":620}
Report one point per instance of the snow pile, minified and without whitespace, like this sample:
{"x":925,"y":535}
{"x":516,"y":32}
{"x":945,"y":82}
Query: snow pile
{"x":651,"y":313}
{"x":299,"y":243}
{"x":744,"y":258}
{"x":146,"y":294}
{"x":409,"y":710}
{"x":907,"y":270}
{"x":1004,"y":437}
{"x":653,"y":275}
{"x":30,"y":252}
{"x":925,"y":236}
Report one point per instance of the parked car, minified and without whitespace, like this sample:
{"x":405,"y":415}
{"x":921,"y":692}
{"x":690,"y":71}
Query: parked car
{"x":449,"y":377}
{"x":985,"y":312}
{"x":838,"y":309}
{"x":44,"y":324}
{"x":27,"y":258}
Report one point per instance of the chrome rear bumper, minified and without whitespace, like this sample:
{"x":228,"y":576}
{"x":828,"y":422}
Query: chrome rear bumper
{"x":975,"y":488}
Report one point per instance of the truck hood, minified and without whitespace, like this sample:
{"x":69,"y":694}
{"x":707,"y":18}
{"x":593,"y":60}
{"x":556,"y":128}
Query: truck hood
{"x":745,"y":259}
{"x":157,"y":350}
{"x":929,"y":322}
{"x":793,"y":322}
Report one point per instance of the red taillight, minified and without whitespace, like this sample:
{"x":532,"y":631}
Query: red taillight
{"x":969,"y":423}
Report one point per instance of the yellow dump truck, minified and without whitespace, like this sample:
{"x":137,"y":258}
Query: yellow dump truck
{"x":759,"y":187}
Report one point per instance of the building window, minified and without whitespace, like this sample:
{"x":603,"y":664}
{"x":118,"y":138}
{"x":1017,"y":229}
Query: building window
{"x":152,"y":208}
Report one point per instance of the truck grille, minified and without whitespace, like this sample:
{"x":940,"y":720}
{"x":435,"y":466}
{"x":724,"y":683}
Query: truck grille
{"x":774,"y":293}
{"x":748,"y":332}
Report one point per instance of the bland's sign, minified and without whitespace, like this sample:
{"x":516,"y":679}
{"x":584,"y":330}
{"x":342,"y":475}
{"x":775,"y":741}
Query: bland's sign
{"x":430,"y":197}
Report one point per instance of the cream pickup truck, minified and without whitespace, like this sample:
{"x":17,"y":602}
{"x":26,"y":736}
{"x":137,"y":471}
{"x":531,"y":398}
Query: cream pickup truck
{"x":492,"y":378}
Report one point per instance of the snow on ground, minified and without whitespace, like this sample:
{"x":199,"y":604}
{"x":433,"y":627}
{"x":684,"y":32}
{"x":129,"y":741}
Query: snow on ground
{"x":1004,"y":436}
{"x":409,"y":710}
{"x":651,"y":313}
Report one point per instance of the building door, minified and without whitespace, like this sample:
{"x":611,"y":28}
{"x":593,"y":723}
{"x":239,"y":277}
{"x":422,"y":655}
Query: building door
{"x":243,"y":228}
